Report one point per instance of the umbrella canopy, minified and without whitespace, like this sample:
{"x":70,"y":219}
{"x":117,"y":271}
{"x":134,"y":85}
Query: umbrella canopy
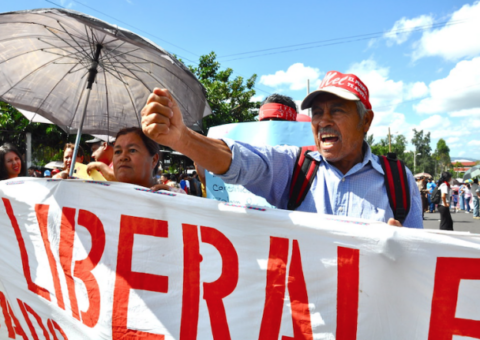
{"x":473,"y":172}
{"x":54,"y":164}
{"x":423,"y":174}
{"x":47,"y":56}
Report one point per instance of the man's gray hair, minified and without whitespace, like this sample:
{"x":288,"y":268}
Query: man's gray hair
{"x":361,"y":109}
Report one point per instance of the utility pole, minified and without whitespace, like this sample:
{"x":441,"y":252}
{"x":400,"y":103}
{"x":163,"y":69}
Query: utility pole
{"x":389,"y":141}
{"x":308,"y":92}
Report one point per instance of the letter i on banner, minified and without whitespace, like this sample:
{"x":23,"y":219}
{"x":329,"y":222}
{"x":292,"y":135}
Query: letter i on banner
{"x":275,"y":293}
{"x":213,"y":292}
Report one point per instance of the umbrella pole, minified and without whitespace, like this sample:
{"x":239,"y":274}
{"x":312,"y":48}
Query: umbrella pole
{"x":92,"y":73}
{"x":79,"y":135}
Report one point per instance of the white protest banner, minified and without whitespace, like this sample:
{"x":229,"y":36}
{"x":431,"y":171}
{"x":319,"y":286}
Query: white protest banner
{"x":98,"y":260}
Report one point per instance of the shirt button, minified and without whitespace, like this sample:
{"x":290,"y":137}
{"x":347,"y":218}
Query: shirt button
{"x":343,"y":179}
{"x":340,"y":209}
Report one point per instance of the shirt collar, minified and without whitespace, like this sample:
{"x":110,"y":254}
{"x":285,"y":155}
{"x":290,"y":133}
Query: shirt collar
{"x":368,"y":157}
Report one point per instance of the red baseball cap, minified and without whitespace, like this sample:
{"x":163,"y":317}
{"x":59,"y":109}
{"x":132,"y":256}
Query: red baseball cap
{"x":346,"y":86}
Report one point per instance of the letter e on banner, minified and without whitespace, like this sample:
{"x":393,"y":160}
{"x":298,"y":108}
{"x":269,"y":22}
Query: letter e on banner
{"x":127,"y":279}
{"x":443,"y":323}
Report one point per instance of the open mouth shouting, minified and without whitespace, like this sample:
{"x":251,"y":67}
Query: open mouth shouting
{"x":328,"y":138}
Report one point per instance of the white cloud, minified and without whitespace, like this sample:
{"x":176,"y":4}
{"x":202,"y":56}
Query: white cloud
{"x":457,"y":92}
{"x":452,"y":140}
{"x":433,"y":122}
{"x":416,"y":90}
{"x":459,"y":38}
{"x":474,"y":143}
{"x":385,"y":93}
{"x":295,"y":77}
{"x":403,"y":28}
{"x":473,"y":113}
{"x":257,"y":98}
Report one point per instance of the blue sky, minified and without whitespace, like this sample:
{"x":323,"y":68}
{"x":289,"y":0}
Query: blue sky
{"x":420,"y":59}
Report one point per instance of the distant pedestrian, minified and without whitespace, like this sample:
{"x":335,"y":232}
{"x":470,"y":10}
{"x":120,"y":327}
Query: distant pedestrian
{"x":430,"y":187}
{"x":446,"y":222}
{"x":461,"y":195}
{"x":474,"y":189}
{"x":468,"y":197}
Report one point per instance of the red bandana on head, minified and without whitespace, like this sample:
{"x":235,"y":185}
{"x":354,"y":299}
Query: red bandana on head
{"x":278,"y":111}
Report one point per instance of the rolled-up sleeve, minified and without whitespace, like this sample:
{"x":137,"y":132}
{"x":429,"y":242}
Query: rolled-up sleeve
{"x":264,"y":170}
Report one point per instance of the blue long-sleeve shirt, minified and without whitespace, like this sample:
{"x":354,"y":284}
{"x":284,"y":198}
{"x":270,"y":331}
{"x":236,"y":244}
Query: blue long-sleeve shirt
{"x":267,"y":171}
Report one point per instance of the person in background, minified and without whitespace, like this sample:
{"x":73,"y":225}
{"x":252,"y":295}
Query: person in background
{"x":446,"y":222}
{"x":11,"y":162}
{"x":31,"y":171}
{"x":454,"y":201}
{"x":47,"y":174}
{"x":195,"y":185}
{"x":103,"y":156}
{"x":184,"y":184}
{"x":94,"y":144}
{"x":468,"y":197}
{"x":67,"y":160}
{"x":476,"y":210}
{"x":430,"y":187}
{"x":477,"y":194}
{"x":278,"y":107}
{"x":461,"y":195}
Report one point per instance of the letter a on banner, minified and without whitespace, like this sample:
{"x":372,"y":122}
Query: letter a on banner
{"x":275,"y":293}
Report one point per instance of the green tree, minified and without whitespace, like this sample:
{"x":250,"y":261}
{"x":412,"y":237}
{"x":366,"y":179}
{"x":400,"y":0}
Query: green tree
{"x":398,"y":146}
{"x":441,"y":156}
{"x":229,"y":98}
{"x":47,"y":140}
{"x":424,"y":161}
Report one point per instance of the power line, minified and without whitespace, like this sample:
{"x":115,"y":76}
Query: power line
{"x":154,"y":36}
{"x":336,"y":41}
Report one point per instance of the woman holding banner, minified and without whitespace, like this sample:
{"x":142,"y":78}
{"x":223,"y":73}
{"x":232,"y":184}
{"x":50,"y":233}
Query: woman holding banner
{"x":135,"y":159}
{"x":11,"y":162}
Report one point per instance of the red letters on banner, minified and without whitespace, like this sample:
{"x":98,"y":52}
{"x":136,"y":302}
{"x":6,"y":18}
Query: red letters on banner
{"x":127,"y":279}
{"x":443,"y":323}
{"x":24,"y":308}
{"x":32,"y":286}
{"x":83,"y":269}
{"x":213,"y":292}
{"x":275,"y":293}
{"x":6,"y":316}
{"x":348,"y":277}
{"x":67,"y":236}
{"x":42,"y":217}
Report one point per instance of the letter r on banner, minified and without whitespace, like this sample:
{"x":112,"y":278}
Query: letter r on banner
{"x":213,"y":292}
{"x":443,"y":323}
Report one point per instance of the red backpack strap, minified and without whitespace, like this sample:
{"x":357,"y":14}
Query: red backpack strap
{"x":304,"y":173}
{"x":396,"y":182}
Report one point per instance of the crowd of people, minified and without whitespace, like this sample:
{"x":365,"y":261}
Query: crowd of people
{"x":348,"y":179}
{"x":133,"y":158}
{"x":454,"y":198}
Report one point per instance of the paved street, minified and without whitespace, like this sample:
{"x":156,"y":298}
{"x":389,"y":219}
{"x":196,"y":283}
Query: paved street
{"x":461,"y":222}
